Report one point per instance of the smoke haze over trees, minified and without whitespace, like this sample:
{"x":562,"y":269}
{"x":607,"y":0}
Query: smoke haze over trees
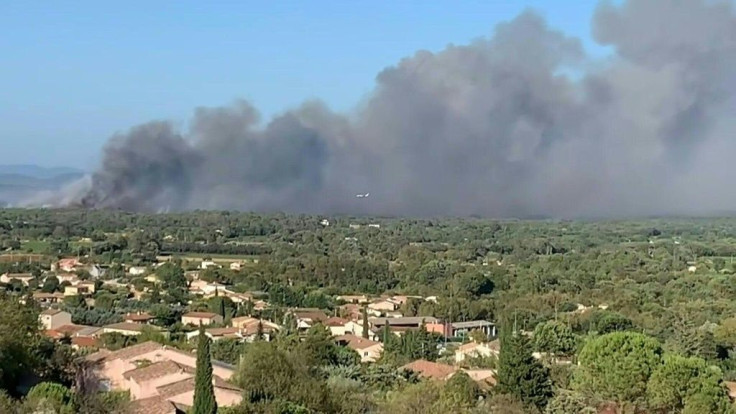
{"x":519,"y":123}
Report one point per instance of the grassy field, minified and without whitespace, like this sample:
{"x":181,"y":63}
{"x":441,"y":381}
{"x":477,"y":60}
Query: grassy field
{"x":34,"y":246}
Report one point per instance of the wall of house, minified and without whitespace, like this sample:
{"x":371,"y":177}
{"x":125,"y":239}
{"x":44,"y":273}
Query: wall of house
{"x":224,"y":398}
{"x":191,"y":361}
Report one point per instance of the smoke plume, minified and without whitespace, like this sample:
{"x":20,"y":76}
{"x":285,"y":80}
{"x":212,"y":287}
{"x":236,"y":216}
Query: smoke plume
{"x":519,"y":123}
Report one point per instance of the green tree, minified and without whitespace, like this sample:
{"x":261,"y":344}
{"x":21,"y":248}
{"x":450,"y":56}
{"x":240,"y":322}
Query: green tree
{"x":604,"y":322}
{"x":555,"y":338}
{"x":19,"y":343}
{"x":680,"y":380}
{"x":50,"y":396}
{"x":365,"y":322}
{"x":616,"y":367}
{"x":50,"y":285}
{"x":569,"y":402}
{"x":204,"y":392}
{"x":519,"y":374}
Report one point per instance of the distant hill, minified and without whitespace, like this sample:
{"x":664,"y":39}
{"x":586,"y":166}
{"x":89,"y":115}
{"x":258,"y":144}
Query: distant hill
{"x":19,"y":182}
{"x":36,"y":171}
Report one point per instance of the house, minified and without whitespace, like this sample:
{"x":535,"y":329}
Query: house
{"x":308,"y":317}
{"x":136,"y":270}
{"x":24,"y":278}
{"x":70,"y":278}
{"x":336,"y":326}
{"x":351,"y":311}
{"x":138,"y":317}
{"x":486,"y":378}
{"x":66,"y":265}
{"x":88,"y":284}
{"x":54,"y":318}
{"x":384,"y":305}
{"x":236,"y":266}
{"x":374,"y":226}
{"x":84,"y":342}
{"x":324,"y":222}
{"x":76,"y":290}
{"x":206,"y":264}
{"x":48,"y":298}
{"x":358,"y":299}
{"x":356,"y":328}
{"x":400,"y":325}
{"x":243,"y":332}
{"x":156,"y":375}
{"x":368,"y":350}
{"x":462,"y":329}
{"x":132,"y":329}
{"x":201,"y":318}
{"x":430,"y":370}
{"x":474,"y":350}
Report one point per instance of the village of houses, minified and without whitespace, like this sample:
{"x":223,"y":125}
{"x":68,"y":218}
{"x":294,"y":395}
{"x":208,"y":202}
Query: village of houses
{"x":166,"y":380}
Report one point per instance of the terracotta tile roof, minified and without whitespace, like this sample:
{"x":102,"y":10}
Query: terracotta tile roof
{"x":85,"y":342}
{"x":138,"y":317}
{"x":335,"y":322}
{"x":153,"y":405}
{"x":356,"y":342}
{"x":222,"y":331}
{"x":51,"y":312}
{"x":200,"y":315}
{"x":134,"y":351}
{"x":428,"y":369}
{"x":44,"y":295}
{"x":187,"y":385}
{"x":130,"y":326}
{"x":243,"y":319}
{"x":313,"y":314}
{"x":156,"y":370}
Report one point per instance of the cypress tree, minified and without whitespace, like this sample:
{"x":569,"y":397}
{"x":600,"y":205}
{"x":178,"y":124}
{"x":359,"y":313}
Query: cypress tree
{"x":521,"y":375}
{"x":365,"y":322}
{"x":204,"y":391}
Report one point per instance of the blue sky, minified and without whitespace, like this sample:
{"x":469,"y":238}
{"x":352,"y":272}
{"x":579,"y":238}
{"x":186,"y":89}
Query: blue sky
{"x":72,"y":73}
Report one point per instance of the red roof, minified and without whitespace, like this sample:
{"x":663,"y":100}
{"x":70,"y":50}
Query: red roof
{"x":200,"y":315}
{"x":85,"y":342}
{"x":335,"y":321}
{"x":138,"y":317}
{"x":428,"y":369}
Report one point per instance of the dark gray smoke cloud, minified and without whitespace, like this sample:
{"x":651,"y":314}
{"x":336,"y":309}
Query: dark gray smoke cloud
{"x":520,"y":123}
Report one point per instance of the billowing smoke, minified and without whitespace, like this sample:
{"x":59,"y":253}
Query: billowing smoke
{"x":520,"y":123}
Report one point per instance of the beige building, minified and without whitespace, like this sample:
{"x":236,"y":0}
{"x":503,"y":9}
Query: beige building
{"x":132,"y":328}
{"x":54,"y":318}
{"x":475,"y":350}
{"x":21,"y":277}
{"x":337,"y":326}
{"x":368,"y":350}
{"x":159,"y":376}
{"x":201,"y":318}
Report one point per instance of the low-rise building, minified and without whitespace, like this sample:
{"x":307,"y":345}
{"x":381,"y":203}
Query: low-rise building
{"x":368,"y":350}
{"x":475,"y":350}
{"x":201,"y":318}
{"x":132,"y":329}
{"x":24,"y":278}
{"x":138,"y":317}
{"x":430,"y":370}
{"x":54,"y":318}
{"x":159,"y":377}
{"x":308,"y":317}
{"x":48,"y":298}
{"x":336,"y":326}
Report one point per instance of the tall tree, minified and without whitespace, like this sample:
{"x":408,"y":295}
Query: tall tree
{"x":521,"y":375}
{"x":365,"y":322}
{"x":204,"y":391}
{"x":617,"y":366}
